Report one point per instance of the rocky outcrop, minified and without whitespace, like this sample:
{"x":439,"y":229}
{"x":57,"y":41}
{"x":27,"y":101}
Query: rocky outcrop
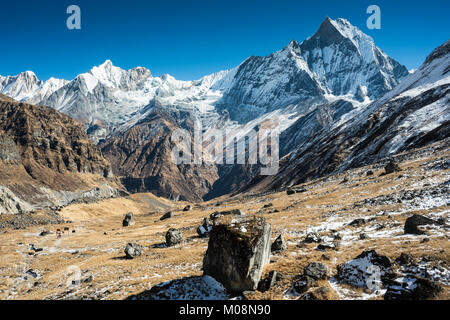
{"x":238,"y":250}
{"x":279,"y":245}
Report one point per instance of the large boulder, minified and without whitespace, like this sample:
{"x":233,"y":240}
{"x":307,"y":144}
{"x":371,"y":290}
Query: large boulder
{"x":413,"y":222}
{"x":132,"y":250}
{"x":173,"y":237}
{"x":128,"y":220}
{"x":238,"y":250}
{"x":316,"y":270}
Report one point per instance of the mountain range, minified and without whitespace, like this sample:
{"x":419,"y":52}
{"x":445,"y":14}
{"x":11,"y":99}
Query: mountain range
{"x":340,"y":102}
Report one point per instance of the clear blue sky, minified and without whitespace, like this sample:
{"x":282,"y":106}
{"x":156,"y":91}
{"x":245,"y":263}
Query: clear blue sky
{"x":192,"y":38}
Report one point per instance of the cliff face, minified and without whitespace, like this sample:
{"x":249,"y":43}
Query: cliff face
{"x":46,"y":159}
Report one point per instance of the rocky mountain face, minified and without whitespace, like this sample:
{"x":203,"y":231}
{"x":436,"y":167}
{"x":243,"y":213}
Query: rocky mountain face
{"x":413,"y":114}
{"x":47,"y":160}
{"x":142,"y":156}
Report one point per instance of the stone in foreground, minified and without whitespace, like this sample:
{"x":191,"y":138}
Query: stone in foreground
{"x":238,"y":250}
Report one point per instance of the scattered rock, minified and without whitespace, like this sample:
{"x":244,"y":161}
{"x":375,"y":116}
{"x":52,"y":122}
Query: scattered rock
{"x":363,"y":236}
{"x":204,"y":229}
{"x":326,"y":246}
{"x":132,"y":250}
{"x":325,"y":257}
{"x":291,"y":191}
{"x":167,"y":215}
{"x":44,"y":233}
{"x":392,"y":167}
{"x":369,"y":173}
{"x":173,"y":237}
{"x":279,"y":245}
{"x":216,"y":215}
{"x":268,"y":205}
{"x":316,"y":270}
{"x":268,"y":282}
{"x":412,"y":288}
{"x":303,"y":284}
{"x":128,"y":220}
{"x":357,"y":222}
{"x":187,"y":208}
{"x":405,"y":259}
{"x":312,"y":237}
{"x":237,"y":252}
{"x":413,"y":222}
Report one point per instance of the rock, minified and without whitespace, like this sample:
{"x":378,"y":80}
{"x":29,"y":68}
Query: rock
{"x":189,"y":288}
{"x":312,"y":237}
{"x":173,"y":237}
{"x":413,"y":222}
{"x":268,"y":282}
{"x":297,"y":190}
{"x":316,"y":270}
{"x":369,"y":173}
{"x":268,"y":205}
{"x":392,"y":167}
{"x":357,"y":222}
{"x":318,"y":294}
{"x":133,"y":250}
{"x":303,"y":284}
{"x":204,"y":229}
{"x":412,"y":288}
{"x":216,"y":215}
{"x":279,"y":245}
{"x":187,"y":208}
{"x":167,"y":215}
{"x":363,"y":236}
{"x":88,"y":279}
{"x":405,"y":259}
{"x":357,"y":272}
{"x":238,"y":250}
{"x":128,"y":220}
{"x":325,"y":257}
{"x":326,"y":246}
{"x":44,"y":233}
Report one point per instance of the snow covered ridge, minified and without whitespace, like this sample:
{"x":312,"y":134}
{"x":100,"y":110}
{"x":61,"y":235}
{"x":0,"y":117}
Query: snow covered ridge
{"x":290,"y":81}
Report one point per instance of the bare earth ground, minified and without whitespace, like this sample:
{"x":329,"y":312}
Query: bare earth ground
{"x":96,"y":249}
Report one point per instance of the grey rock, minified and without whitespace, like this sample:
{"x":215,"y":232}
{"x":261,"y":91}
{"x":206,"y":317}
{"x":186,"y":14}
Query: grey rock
{"x":133,"y":250}
{"x":187,"y":208}
{"x":303,"y":284}
{"x":413,"y":222}
{"x":173,"y":237}
{"x":279,"y":245}
{"x":128,"y":220}
{"x":392,"y":167}
{"x":237,"y":253}
{"x":316,"y":270}
{"x":167,"y":215}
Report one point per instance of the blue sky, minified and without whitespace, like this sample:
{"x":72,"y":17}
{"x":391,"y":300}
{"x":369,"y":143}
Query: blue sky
{"x":191,"y":38}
